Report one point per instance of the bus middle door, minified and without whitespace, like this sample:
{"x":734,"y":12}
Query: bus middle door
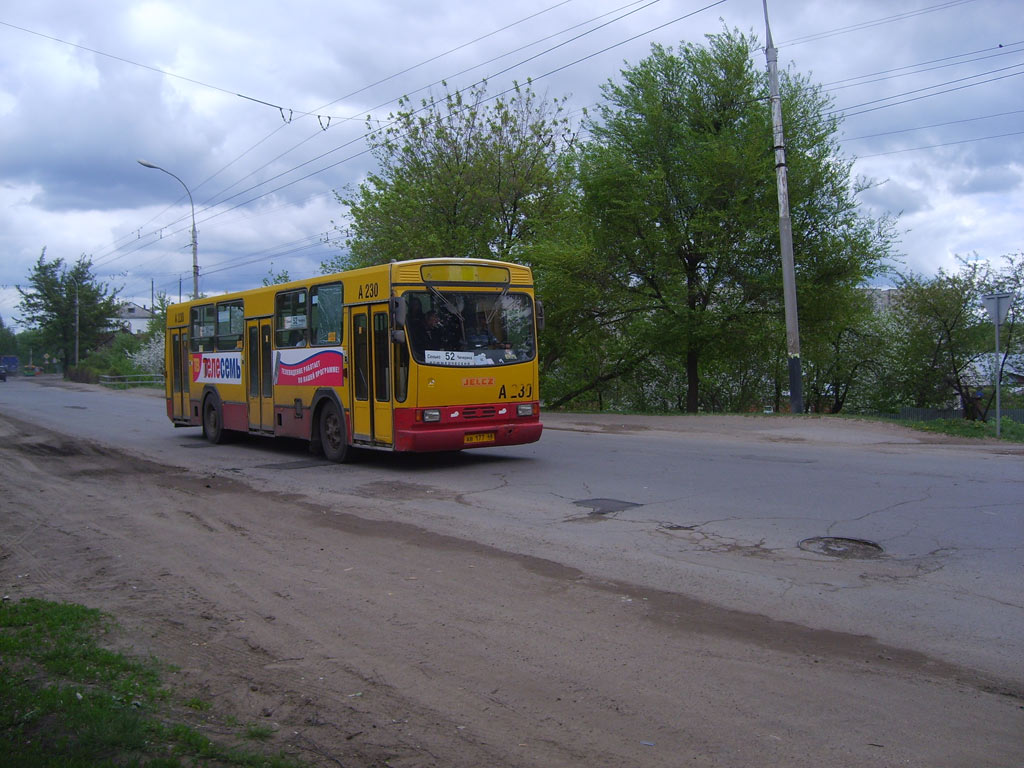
{"x":260,"y":372}
{"x":181,"y":374}
{"x":372,"y":419}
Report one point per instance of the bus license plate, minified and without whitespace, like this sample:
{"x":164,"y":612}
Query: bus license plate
{"x":478,"y":437}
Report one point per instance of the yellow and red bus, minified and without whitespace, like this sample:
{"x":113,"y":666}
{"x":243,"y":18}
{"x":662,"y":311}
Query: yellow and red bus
{"x":422,"y":355}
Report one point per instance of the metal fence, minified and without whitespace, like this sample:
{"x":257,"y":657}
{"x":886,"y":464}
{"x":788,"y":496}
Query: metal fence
{"x":907,"y":413}
{"x":133,"y":380}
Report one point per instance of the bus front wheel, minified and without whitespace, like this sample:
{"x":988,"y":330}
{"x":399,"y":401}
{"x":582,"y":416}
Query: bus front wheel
{"x":213,"y":424}
{"x":333,"y":435}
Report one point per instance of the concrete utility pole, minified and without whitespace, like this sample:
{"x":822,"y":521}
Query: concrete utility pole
{"x":796,"y":387}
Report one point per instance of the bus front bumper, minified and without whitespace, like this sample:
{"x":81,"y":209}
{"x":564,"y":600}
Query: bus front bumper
{"x":453,"y":434}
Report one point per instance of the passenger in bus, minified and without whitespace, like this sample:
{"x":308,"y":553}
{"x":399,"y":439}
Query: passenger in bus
{"x":481,"y":335}
{"x":416,"y":324}
{"x":436,"y":334}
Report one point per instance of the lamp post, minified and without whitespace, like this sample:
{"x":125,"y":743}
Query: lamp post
{"x":76,"y":323}
{"x":195,"y":255}
{"x":75,"y":281}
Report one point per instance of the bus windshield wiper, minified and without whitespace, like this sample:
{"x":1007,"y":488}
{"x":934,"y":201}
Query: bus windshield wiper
{"x":448,"y":304}
{"x":497,"y":305}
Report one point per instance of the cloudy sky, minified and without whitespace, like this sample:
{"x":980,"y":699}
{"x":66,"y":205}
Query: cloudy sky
{"x":259,"y":108}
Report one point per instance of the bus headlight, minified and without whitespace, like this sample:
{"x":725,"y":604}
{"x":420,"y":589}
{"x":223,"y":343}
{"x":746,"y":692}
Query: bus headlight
{"x":524,"y":409}
{"x":431,"y":414}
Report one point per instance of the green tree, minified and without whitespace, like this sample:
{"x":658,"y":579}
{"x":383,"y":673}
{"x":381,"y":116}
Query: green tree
{"x":8,"y":340}
{"x":1010,"y":279}
{"x":942,"y":340}
{"x":845,"y":357}
{"x":462,"y":176}
{"x":55,"y":295}
{"x":940,"y":335}
{"x":679,"y":192}
{"x":276,"y":278}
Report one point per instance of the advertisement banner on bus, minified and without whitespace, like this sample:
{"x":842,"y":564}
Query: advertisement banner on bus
{"x":298,"y":368}
{"x":217,"y":368}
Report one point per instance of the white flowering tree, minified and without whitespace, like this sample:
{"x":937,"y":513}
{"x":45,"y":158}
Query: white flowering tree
{"x":150,"y":356}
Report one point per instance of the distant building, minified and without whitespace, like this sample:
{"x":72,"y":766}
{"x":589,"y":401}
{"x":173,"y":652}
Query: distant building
{"x":883,"y":298}
{"x":132,"y":318}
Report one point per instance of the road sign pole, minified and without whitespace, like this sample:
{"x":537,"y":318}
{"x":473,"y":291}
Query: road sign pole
{"x":998,"y":306}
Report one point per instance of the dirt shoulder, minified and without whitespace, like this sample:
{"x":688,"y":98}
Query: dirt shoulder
{"x":375,"y":643}
{"x":825,"y":430}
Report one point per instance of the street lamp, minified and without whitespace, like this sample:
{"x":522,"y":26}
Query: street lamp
{"x":76,"y":323}
{"x":195,"y":255}
{"x":75,"y":281}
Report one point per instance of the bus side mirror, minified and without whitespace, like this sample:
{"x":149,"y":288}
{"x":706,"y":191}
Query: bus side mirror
{"x":398,"y":311}
{"x":540,"y":314}
{"x":398,"y":336}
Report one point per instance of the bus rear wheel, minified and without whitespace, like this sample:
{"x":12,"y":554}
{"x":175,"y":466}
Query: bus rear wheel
{"x":333,"y":435}
{"x":213,"y":424}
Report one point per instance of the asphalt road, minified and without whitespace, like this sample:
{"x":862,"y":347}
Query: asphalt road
{"x":715,"y":508}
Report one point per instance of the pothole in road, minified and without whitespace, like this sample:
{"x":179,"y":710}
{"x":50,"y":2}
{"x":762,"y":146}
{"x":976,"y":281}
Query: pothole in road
{"x":838,"y":546}
{"x":602,"y":507}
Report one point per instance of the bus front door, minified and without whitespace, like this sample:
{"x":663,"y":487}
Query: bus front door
{"x":260,"y":372}
{"x":181,"y":375}
{"x":371,"y":375}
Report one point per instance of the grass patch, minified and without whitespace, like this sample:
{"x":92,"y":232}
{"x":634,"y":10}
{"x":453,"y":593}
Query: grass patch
{"x":1009,"y":430}
{"x":258,"y":732}
{"x":66,"y":701}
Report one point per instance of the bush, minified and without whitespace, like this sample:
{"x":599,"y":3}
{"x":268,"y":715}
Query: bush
{"x":114,"y":359}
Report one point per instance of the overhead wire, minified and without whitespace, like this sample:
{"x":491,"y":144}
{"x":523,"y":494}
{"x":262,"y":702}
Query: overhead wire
{"x":362,"y":89}
{"x":934,"y":125}
{"x":494,"y":96}
{"x":1005,"y":48}
{"x":365,"y":135}
{"x":261,"y":101}
{"x":208,"y":202}
{"x":944,"y":144}
{"x":425,"y":107}
{"x":873,"y":23}
{"x":294,"y":181}
{"x":846,"y":113}
{"x":436,"y":82}
{"x":884,"y":76}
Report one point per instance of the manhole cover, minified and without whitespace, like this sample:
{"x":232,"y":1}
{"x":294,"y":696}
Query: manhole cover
{"x":837,"y":546}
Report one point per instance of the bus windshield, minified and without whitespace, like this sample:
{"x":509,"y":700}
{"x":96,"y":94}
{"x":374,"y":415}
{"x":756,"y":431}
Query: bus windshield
{"x":466,"y":328}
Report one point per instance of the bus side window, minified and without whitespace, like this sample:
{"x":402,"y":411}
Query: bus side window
{"x":229,"y":325}
{"x":326,"y":314}
{"x":204,"y":328}
{"x":290,"y":319}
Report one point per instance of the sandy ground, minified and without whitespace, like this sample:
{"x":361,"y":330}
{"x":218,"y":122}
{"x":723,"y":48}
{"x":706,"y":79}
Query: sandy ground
{"x":370,"y":643}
